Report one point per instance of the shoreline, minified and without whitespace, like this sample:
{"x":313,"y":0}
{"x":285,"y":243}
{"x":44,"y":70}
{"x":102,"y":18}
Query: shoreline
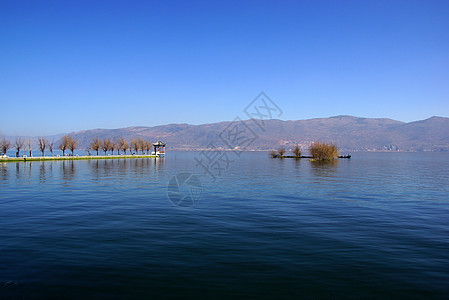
{"x":76,"y":157}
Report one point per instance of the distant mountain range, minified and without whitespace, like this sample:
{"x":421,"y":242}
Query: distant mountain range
{"x":348,"y":132}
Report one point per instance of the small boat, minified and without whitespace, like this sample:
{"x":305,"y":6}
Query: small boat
{"x":344,"y":156}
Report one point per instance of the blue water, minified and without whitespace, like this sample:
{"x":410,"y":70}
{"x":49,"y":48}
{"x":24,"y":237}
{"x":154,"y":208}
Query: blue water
{"x":374,"y":226}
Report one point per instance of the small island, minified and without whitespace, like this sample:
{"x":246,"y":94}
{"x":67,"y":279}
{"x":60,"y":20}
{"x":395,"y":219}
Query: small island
{"x":319,"y":152}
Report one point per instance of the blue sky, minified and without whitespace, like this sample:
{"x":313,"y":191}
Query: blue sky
{"x":74,"y":65}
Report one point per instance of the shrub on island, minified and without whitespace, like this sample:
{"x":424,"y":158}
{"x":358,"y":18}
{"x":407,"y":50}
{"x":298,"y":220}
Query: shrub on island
{"x":322,"y":151}
{"x":273,"y":153}
{"x":297,"y":151}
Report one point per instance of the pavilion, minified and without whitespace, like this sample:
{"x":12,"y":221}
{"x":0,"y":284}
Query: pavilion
{"x":159,"y":148}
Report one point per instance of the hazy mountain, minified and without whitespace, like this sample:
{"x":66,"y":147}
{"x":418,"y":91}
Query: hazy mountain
{"x":348,"y":132}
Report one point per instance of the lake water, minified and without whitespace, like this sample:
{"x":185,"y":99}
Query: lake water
{"x":374,"y":226}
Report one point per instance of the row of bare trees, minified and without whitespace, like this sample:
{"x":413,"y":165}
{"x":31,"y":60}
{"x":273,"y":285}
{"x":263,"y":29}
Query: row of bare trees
{"x":42,"y":143}
{"x":25,"y":144}
{"x":70,"y":143}
{"x":121,"y":144}
{"x":67,"y":143}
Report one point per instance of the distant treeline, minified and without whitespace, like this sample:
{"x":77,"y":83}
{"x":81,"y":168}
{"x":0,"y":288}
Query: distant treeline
{"x":70,"y":143}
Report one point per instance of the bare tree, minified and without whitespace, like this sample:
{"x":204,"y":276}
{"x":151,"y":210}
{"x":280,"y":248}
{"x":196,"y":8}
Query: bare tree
{"x":64,"y":144}
{"x":281,"y":151}
{"x":30,"y":146}
{"x":135,"y":144}
{"x":297,"y":151}
{"x":142,"y":145}
{"x":148,"y":146}
{"x":43,"y":143}
{"x":106,"y":146}
{"x":19,"y":145}
{"x":5,"y":145}
{"x":96,"y":144}
{"x":51,"y":145}
{"x":113,"y":146}
{"x":117,"y":147}
{"x":73,"y":143}
{"x":123,"y":145}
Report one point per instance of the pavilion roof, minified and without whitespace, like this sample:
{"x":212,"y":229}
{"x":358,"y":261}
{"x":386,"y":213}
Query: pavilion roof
{"x":159,"y":143}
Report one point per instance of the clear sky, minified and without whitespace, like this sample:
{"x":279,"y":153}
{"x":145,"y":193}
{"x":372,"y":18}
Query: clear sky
{"x":74,"y":65}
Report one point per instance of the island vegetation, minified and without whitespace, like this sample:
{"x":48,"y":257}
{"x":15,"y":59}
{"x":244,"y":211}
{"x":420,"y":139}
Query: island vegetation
{"x":322,"y":151}
{"x":318,"y":152}
{"x":281,"y":152}
{"x":297,"y":151}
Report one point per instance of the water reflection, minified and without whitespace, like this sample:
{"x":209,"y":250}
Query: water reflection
{"x":18,"y":169}
{"x":3,"y":171}
{"x":42,"y":171}
{"x":68,"y":169}
{"x":325,"y":168}
{"x":29,"y":166}
{"x":23,"y":169}
{"x":122,"y":167}
{"x":160,"y":164}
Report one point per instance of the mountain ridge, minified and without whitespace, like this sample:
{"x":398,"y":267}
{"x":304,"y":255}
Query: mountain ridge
{"x":350,"y":133}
